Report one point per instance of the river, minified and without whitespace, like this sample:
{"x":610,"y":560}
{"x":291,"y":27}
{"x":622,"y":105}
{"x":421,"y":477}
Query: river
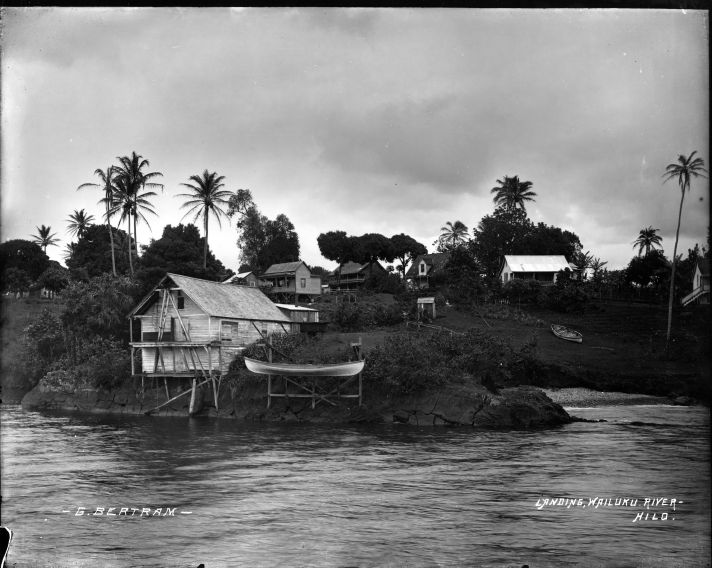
{"x":90,"y":490}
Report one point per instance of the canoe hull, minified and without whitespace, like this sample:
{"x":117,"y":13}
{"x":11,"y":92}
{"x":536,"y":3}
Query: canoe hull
{"x":566,"y":334}
{"x":306,"y":370}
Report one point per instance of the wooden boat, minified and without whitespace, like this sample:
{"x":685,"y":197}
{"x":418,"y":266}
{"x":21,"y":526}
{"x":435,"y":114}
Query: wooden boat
{"x":304,"y":369}
{"x":567,"y":334}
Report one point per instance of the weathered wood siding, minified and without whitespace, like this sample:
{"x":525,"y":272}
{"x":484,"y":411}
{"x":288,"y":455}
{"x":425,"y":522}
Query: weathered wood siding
{"x":196,"y":322}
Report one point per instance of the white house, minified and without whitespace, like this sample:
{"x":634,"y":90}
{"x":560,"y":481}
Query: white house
{"x":539,"y":267}
{"x":700,"y":284}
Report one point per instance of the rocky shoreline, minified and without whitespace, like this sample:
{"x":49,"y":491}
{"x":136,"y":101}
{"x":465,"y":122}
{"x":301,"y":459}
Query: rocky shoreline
{"x":579,"y":397}
{"x":451,"y":405}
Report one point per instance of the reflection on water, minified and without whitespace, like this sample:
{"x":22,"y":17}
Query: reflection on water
{"x":315,"y":495}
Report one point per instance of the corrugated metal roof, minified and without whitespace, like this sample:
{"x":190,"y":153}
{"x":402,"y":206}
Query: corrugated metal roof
{"x":536,"y":263}
{"x":294,"y":308}
{"x":235,"y":302}
{"x":283,"y":268}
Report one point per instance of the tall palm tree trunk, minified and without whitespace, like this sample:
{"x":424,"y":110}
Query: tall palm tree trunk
{"x":672,"y":276}
{"x":111,"y":239}
{"x":128,"y":222}
{"x":135,"y":235}
{"x":205,"y":244}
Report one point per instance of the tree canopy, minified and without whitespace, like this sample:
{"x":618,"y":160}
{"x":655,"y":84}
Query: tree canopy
{"x":23,"y":255}
{"x":91,"y":255}
{"x":406,"y":249}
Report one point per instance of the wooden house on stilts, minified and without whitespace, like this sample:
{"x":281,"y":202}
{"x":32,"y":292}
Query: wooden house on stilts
{"x":192,"y":328}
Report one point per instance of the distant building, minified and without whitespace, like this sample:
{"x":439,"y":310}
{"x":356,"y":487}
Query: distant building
{"x":352,"y":275}
{"x":305,"y":320}
{"x":424,"y":268}
{"x":291,"y":279}
{"x":700,"y":284}
{"x":542,"y":268}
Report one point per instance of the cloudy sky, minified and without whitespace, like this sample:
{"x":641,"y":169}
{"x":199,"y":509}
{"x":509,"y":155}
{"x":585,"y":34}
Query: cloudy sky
{"x":384,"y":120}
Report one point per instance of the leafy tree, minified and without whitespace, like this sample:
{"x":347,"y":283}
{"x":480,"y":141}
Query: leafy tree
{"x":372,"y":247}
{"x":647,"y":239}
{"x":94,"y":253}
{"x":582,"y":261}
{"x":452,"y":235}
{"x":23,"y":255}
{"x":107,"y":186}
{"x":504,"y":232}
{"x":45,"y":237}
{"x":406,"y":249}
{"x":648,"y":270}
{"x":597,"y":266}
{"x":98,"y":307}
{"x":545,"y":239}
{"x":337,"y":246}
{"x":684,"y":170}
{"x":55,"y":278}
{"x":264,"y":242}
{"x":511,"y":193}
{"x":130,"y":197}
{"x":206,"y":197}
{"x":179,"y":250}
{"x":462,"y":274}
{"x":79,"y":222}
{"x":16,"y":280}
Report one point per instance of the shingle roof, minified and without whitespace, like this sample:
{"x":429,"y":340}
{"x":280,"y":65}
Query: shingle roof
{"x":216,"y":299}
{"x":434,"y":261}
{"x":283,"y":268}
{"x":536,"y":263}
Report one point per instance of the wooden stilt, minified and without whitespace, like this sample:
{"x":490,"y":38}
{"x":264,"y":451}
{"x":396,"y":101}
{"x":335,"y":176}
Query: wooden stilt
{"x":191,"y":406}
{"x":165,"y":384}
{"x":190,"y":390}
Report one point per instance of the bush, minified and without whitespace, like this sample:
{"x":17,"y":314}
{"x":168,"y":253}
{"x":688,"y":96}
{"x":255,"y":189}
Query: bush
{"x":565,"y":297}
{"x":521,"y":291}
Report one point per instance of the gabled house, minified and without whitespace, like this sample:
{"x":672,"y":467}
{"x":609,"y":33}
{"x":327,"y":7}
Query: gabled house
{"x":243,"y":279}
{"x":542,"y":268}
{"x":291,"y":279}
{"x":352,"y":275}
{"x":700,"y":284}
{"x":424,"y":268}
{"x":187,"y":326}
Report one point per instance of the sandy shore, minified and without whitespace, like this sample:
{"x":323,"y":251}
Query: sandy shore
{"x":583,"y":398}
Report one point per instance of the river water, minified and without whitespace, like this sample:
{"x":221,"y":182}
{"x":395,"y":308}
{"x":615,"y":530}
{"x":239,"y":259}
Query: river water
{"x":88,"y":490}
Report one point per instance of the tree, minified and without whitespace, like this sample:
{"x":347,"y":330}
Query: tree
{"x":582,"y":261}
{"x":93,"y":254}
{"x":372,"y":247}
{"x":512,"y":193}
{"x":79,"y":222}
{"x":647,"y":239}
{"x":206,"y":197}
{"x":180,"y":250}
{"x":597,"y":266}
{"x":45,"y":238}
{"x":684,"y":170}
{"x":647,"y":271}
{"x":107,"y":186}
{"x":281,"y":242}
{"x":546,"y":239}
{"x":23,"y":255}
{"x":452,"y":235}
{"x":131,"y":198}
{"x":336,"y":246}
{"x":55,"y":278}
{"x":15,"y":280}
{"x":406,"y":249}
{"x":504,"y":232}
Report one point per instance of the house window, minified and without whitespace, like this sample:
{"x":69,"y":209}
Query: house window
{"x":422,"y":268}
{"x":303,"y":282}
{"x":229,"y":331}
{"x":181,"y":301}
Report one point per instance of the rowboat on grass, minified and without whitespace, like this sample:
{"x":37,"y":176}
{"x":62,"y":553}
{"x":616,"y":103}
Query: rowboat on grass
{"x":567,"y":334}
{"x":304,"y":369}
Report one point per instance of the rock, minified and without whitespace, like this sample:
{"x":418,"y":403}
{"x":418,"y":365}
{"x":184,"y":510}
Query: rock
{"x":684,"y":401}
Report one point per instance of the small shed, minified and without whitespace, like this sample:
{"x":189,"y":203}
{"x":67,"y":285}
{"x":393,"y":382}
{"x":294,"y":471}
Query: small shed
{"x":426,"y":307}
{"x":244,"y":279}
{"x":191,"y":326}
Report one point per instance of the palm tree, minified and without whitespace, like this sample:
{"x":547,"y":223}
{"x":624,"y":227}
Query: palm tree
{"x":453,"y":234}
{"x":133,"y":180}
{"x":206,"y":197}
{"x":45,"y":237}
{"x":597,"y":265}
{"x":107,"y":186}
{"x":79,"y":222}
{"x":582,"y":261}
{"x":648,"y":240}
{"x":512,"y":193}
{"x":685,"y":169}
